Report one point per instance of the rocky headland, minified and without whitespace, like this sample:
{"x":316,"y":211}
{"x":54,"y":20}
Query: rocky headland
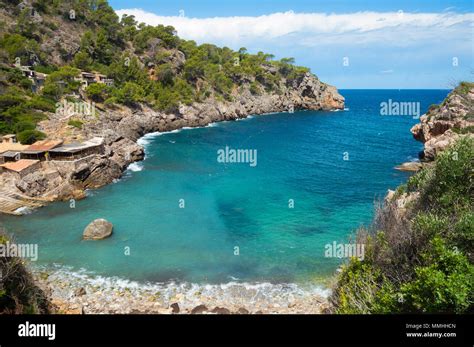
{"x":122,"y":126}
{"x":445,"y":123}
{"x":439,"y":128}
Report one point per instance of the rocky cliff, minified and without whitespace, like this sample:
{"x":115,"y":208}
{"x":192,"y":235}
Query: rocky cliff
{"x":445,"y":123}
{"x":122,"y":126}
{"x":153,"y":80}
{"x":307,"y":93}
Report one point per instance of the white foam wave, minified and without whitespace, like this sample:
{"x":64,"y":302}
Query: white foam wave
{"x":135,"y":167}
{"x":146,"y":139}
{"x":89,"y":192}
{"x":171,"y":131}
{"x":339,"y":110}
{"x":23,"y":210}
{"x":230,"y":293}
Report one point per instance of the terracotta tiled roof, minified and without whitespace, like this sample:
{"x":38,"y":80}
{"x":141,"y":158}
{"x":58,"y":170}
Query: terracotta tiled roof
{"x":20,"y":165}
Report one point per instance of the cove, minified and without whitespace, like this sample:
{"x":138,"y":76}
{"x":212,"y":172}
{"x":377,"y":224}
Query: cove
{"x":228,"y":205}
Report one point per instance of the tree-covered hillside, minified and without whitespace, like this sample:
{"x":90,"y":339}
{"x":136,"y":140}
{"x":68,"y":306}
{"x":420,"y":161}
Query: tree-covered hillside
{"x":148,"y":64}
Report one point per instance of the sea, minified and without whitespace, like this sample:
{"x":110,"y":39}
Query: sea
{"x":288,"y":186}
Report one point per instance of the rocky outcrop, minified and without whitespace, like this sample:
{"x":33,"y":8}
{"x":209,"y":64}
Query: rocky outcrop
{"x":121,"y":127}
{"x":412,"y":166}
{"x":307,"y":93}
{"x":98,"y":230}
{"x":438,"y":129}
{"x":445,"y":123}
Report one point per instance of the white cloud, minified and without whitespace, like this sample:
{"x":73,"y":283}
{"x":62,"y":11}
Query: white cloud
{"x":316,"y":29}
{"x":386,"y":49}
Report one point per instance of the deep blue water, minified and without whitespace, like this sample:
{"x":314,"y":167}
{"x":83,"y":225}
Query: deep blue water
{"x":300,"y":156}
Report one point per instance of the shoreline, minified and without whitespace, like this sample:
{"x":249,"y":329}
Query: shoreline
{"x":123,"y":127}
{"x":124,"y":131}
{"x":82,"y":292}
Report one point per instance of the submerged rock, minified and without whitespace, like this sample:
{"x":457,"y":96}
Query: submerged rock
{"x":412,"y":166}
{"x":98,"y":230}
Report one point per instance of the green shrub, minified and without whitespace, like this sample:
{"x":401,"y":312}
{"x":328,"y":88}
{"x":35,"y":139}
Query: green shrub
{"x":40,"y":103}
{"x":444,"y":285}
{"x":429,"y":225}
{"x":447,"y":188}
{"x":420,"y":262}
{"x":362,"y":289}
{"x":60,"y":82}
{"x":28,"y":137}
{"x":464,"y":87}
{"x":97,"y":91}
{"x":75,"y":123}
{"x":24,"y":125}
{"x":466,"y":130}
{"x":463,"y":234}
{"x":401,"y":189}
{"x":130,"y":94}
{"x":254,"y":89}
{"x":110,"y":102}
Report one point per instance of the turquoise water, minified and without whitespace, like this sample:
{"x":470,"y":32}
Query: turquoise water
{"x":228,"y":205}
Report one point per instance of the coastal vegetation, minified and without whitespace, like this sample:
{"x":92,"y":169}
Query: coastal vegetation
{"x":419,"y":249}
{"x":19,"y":293}
{"x":419,"y":259}
{"x":148,"y":64}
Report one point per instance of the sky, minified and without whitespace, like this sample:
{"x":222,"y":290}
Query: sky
{"x":347,"y":43}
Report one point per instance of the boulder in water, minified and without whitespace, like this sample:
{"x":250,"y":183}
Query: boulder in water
{"x":98,"y":230}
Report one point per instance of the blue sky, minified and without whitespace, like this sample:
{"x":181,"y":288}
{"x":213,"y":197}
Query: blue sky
{"x":351,"y":44}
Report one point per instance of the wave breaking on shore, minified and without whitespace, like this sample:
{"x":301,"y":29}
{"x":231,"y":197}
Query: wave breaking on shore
{"x":98,"y":294}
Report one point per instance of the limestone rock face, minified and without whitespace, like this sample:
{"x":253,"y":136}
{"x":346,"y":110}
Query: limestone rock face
{"x":98,"y":230}
{"x":444,"y":124}
{"x":121,"y":127}
{"x":126,"y":124}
